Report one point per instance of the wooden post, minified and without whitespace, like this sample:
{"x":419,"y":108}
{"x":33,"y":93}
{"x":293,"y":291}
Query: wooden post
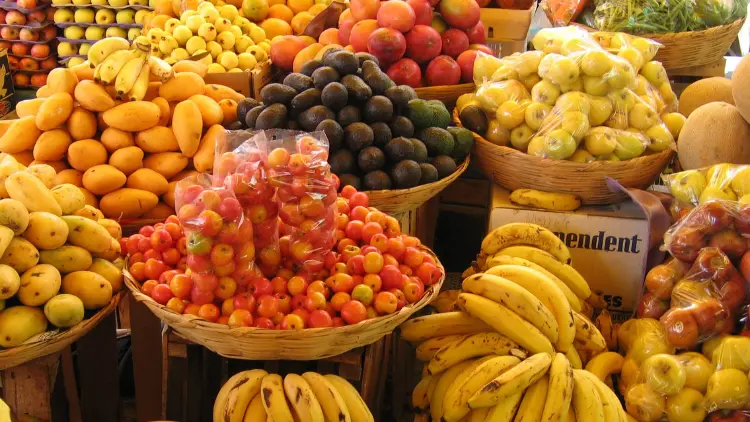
{"x":147,"y":366}
{"x":27,"y":389}
{"x":98,"y":372}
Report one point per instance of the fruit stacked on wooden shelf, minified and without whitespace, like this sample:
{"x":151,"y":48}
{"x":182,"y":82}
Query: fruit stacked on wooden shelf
{"x":59,"y":257}
{"x":124,"y":156}
{"x":578,"y":97}
{"x":381,"y":136}
{"x":256,"y":395}
{"x":27,"y":33}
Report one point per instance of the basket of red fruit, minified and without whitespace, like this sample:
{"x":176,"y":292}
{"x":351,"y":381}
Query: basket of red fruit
{"x":265,"y":265}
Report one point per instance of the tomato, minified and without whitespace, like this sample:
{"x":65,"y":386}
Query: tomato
{"x":161,"y":240}
{"x":385,"y":303}
{"x":240,"y":318}
{"x":245,"y":301}
{"x":209,"y":312}
{"x":347,"y":191}
{"x":225,"y":270}
{"x":391,"y":277}
{"x":268,"y":306}
{"x":171,"y":256}
{"x":190,"y":193}
{"x":144,"y":244}
{"x":221,"y":254}
{"x":300,"y":250}
{"x":298,"y":301}
{"x":198,"y":244}
{"x":320,"y":319}
{"x":315,"y":300}
{"x":148,"y":287}
{"x":176,"y":304}
{"x":429,"y":273}
{"x":353,"y":312}
{"x":153,"y":269}
{"x":302,"y":313}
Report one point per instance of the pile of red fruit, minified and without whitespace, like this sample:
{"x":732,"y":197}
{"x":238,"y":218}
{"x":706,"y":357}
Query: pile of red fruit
{"x":27,"y":32}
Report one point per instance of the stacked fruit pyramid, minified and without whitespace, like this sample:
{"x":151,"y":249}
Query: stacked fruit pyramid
{"x":27,"y":34}
{"x":518,"y":343}
{"x":59,"y":258}
{"x":123,"y":156}
{"x":83,"y":22}
{"x":256,"y":395}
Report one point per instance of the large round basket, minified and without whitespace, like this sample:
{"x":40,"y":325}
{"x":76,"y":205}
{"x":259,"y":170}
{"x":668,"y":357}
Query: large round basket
{"x":447,"y":93}
{"x":396,"y":201}
{"x":513,"y":169}
{"x":252,"y":343}
{"x":693,"y":48}
{"x":51,"y":342}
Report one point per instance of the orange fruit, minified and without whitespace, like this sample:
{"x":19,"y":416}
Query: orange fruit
{"x":158,"y":21}
{"x":275,"y":27}
{"x":329,"y":36}
{"x":280,"y":11}
{"x":300,"y":21}
{"x":317,"y":9}
{"x":273,"y":2}
{"x":299,"y":6}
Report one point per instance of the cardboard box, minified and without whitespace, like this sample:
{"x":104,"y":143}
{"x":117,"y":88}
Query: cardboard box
{"x":248,"y":84}
{"x":6,"y":89}
{"x":507,"y":29}
{"x":608,"y":244}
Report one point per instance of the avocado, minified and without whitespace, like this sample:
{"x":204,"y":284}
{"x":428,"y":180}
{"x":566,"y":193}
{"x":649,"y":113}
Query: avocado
{"x":378,"y":109}
{"x":348,"y":115}
{"x":464,"y":141}
{"x":406,"y":174}
{"x":309,"y":67}
{"x":473,"y":118}
{"x":274,"y":116}
{"x":358,"y":136}
{"x":310,"y":118}
{"x":382,"y":134}
{"x":399,"y":149}
{"x":329,"y":52}
{"x":369,"y":69}
{"x":358,"y":89}
{"x":401,"y":95}
{"x":420,"y":150}
{"x":277,"y":94}
{"x":402,"y":126}
{"x":350,"y":180}
{"x":334,"y":132}
{"x":345,"y":62}
{"x":363,"y":57}
{"x":444,"y":164}
{"x":375,"y":78}
{"x":370,"y":158}
{"x":252,"y":116}
{"x":245,"y":105}
{"x":377,"y":180}
{"x":335,"y":96}
{"x":298,"y":81}
{"x":424,"y":114}
{"x":323,"y":76}
{"x":342,"y":162}
{"x":306,"y":99}
{"x":236,"y":125}
{"x":438,"y":141}
{"x":292,"y":124}
{"x":429,"y":173}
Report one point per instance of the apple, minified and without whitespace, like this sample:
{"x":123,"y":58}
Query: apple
{"x":48,"y":63}
{"x":645,"y":404}
{"x":465,"y":61}
{"x":40,"y":51}
{"x":681,"y":327}
{"x":397,"y":15}
{"x":455,"y":42}
{"x":48,"y":33}
{"x":729,"y":242}
{"x":728,"y":389}
{"x":387,"y":44}
{"x":423,"y":43}
{"x":422,"y":11}
{"x":708,"y":313}
{"x":686,"y":406}
{"x":443,"y":70}
{"x":405,"y":72}
{"x":105,"y":16}
{"x":3,"y":13}
{"x":37,"y":16}
{"x":462,"y":14}
{"x":20,"y":49}
{"x":27,"y":4}
{"x":13,"y":62}
{"x":345,"y":30}
{"x":650,"y":306}
{"x":28,"y":35}
{"x":664,"y":373}
{"x":745,"y":266}
{"x":38,"y":79}
{"x":21,"y":79}
{"x":360,"y":34}
{"x":660,"y":281}
{"x":14,"y":17}
{"x":698,"y":370}
{"x":28,"y":64}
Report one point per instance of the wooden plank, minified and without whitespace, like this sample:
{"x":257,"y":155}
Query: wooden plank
{"x":426,"y":221}
{"x":146,"y":344}
{"x":123,"y":313}
{"x":98,"y":372}
{"x":473,"y":192}
{"x":27,"y":388}
{"x":706,"y":71}
{"x":193,"y":396}
{"x":71,"y":387}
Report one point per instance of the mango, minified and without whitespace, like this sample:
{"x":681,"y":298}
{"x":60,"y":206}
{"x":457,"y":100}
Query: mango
{"x":20,"y":323}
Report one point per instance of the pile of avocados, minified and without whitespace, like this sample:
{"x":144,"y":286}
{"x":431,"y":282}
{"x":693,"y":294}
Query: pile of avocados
{"x":381,"y":135}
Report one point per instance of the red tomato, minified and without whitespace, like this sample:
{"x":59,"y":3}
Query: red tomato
{"x":161,"y":240}
{"x":353,"y":312}
{"x":161,"y":293}
{"x":148,"y":287}
{"x":320,"y":319}
{"x":153,"y":269}
{"x":268,"y":306}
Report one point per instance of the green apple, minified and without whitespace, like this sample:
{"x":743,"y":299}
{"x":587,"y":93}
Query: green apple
{"x":544,"y":92}
{"x":63,"y":15}
{"x":629,"y":145}
{"x":84,"y":48}
{"x":596,"y":63}
{"x":600,"y":141}
{"x":105,"y":16}
{"x":621,"y":75}
{"x":645,"y":404}
{"x":81,"y":2}
{"x":114,"y":31}
{"x":74,"y":32}
{"x":664,"y":373}
{"x":687,"y":186}
{"x":118,"y":3}
{"x":712,"y":192}
{"x":573,"y":101}
{"x":536,"y":147}
{"x":595,"y":85}
{"x":496,"y":134}
{"x":674,"y":122}
{"x":655,"y":73}
{"x":576,"y":123}
{"x":581,"y":156}
{"x":660,"y":138}
{"x":698,"y":370}
{"x":141,"y":15}
{"x":528,"y":63}
{"x":125,"y":16}
{"x":67,"y":49}
{"x":84,"y":15}
{"x":99,"y":2}
{"x":535,"y":114}
{"x":728,"y":389}
{"x":600,"y":110}
{"x":520,"y":137}
{"x":642,"y":116}
{"x":564,"y":71}
{"x":686,"y":406}
{"x":558,"y":145}
{"x":133,"y":33}
{"x":138,"y":2}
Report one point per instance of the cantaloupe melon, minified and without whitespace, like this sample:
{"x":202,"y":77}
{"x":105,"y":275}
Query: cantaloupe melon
{"x":741,"y":87}
{"x":705,"y":91}
{"x":714,"y":133}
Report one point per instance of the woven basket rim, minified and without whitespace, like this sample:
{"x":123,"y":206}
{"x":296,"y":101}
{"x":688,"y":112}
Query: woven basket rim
{"x":458,"y":87}
{"x":53,"y":341}
{"x":429,"y":186}
{"x":684,"y":34}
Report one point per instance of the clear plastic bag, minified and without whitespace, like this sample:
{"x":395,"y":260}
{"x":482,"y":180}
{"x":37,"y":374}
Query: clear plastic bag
{"x":720,"y":181}
{"x":562,"y":13}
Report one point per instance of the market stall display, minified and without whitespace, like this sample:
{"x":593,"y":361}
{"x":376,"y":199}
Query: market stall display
{"x":28,"y":33}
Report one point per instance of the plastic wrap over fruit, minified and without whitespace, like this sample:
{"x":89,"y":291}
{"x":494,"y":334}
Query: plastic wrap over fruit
{"x":721,"y":181}
{"x":306,"y":196}
{"x":561,"y":12}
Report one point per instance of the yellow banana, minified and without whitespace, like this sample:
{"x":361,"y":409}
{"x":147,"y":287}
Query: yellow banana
{"x":607,"y":328}
{"x":357,"y":408}
{"x":560,"y":390}
{"x":575,"y":360}
{"x":427,"y":349}
{"x":514,"y":380}
{"x":441,"y":387}
{"x":420,"y":399}
{"x":274,"y":400}
{"x":454,"y":389}
{"x":333,"y":405}
{"x":587,"y":404}
{"x":506,"y":410}
{"x":546,"y":200}
{"x":449,"y":323}
{"x":129,"y":73}
{"x":605,"y":364}
{"x":571,"y":415}
{"x":505,"y":322}
{"x":304,"y":403}
{"x":525,"y":234}
{"x":112,"y":65}
{"x":445,"y":300}
{"x":533,"y":401}
{"x":455,"y":404}
{"x":515,"y":297}
{"x":479,"y":415}
{"x":587,"y":335}
{"x":255,"y":411}
{"x":497,"y":260}
{"x":548,"y":293}
{"x":469,"y":271}
{"x":470,"y":346}
{"x":159,"y":68}
{"x":611,"y":405}
{"x":140,"y":87}
{"x":103,"y":48}
{"x":240,"y":397}
{"x":572,"y":278}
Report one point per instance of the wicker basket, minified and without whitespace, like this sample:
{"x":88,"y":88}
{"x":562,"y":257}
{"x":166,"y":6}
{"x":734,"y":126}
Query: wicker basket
{"x":447,"y":94}
{"x":404,"y":200}
{"x":694,"y":48}
{"x":513,"y":169}
{"x":51,"y":342}
{"x":251,"y":343}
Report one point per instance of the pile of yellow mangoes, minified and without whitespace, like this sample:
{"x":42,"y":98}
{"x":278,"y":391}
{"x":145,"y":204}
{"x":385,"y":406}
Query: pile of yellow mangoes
{"x":59,"y":257}
{"x":124,"y":156}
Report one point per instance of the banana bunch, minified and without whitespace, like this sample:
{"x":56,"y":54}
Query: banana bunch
{"x":257,"y":396}
{"x":128,"y":68}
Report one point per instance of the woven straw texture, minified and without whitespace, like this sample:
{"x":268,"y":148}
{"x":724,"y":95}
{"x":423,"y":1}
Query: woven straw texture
{"x":262,"y":344}
{"x":513,"y":169}
{"x":51,"y":342}
{"x":447,"y":94}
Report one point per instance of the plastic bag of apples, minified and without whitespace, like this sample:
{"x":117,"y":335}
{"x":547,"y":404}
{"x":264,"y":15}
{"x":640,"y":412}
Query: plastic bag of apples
{"x":729,"y":182}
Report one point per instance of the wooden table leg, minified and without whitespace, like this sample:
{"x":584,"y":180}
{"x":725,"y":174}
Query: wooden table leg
{"x":98,"y":375}
{"x":27,"y":388}
{"x":147,"y":363}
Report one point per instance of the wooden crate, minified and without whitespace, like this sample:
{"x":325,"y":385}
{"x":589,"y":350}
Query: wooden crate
{"x":248,"y":84}
{"x":507,"y":29}
{"x":193,"y":375}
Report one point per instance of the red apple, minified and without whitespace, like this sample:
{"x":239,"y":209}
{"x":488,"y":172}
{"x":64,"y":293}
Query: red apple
{"x":397,"y":15}
{"x":28,"y":35}
{"x":466,"y":63}
{"x":422,"y":11}
{"x":2,"y":15}
{"x":477,"y":34}
{"x":387,"y":44}
{"x":39,"y":79}
{"x":361,"y":33}
{"x":48,"y":63}
{"x":405,"y":72}
{"x":9,"y":33}
{"x":48,"y":33}
{"x":364,"y":9}
{"x":442,"y":70}
{"x":37,"y":16}
{"x":14,"y":17}
{"x":28,"y":64}
{"x":21,"y":79}
{"x":649,"y":306}
{"x":455,"y":42}
{"x":5,"y":45}
{"x":51,"y":13}
{"x":423,"y":43}
{"x":345,"y":30}
{"x":13,"y":62}
{"x":40,"y":51}
{"x":439,"y":23}
{"x":27,"y":4}
{"x":483,"y":48}
{"x":20,"y":49}
{"x":461,"y":14}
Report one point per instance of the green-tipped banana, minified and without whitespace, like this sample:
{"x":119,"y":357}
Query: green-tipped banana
{"x":103,"y":48}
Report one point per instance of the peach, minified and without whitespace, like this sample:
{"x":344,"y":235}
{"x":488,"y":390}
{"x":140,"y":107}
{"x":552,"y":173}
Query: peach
{"x":28,"y":35}
{"x":8,"y":33}
{"x":14,"y":17}
{"x":48,"y":33}
{"x":39,"y":79}
{"x":21,"y":79}
{"x":28,"y":64}
{"x":422,"y":11}
{"x":345,"y":30}
{"x":397,"y":15}
{"x":364,"y":9}
{"x":285,"y":49}
{"x":305,"y":55}
{"x":462,"y":14}
{"x":40,"y":51}
{"x":20,"y":49}
{"x":329,"y":36}
{"x":361,"y":33}
{"x":37,"y":16}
